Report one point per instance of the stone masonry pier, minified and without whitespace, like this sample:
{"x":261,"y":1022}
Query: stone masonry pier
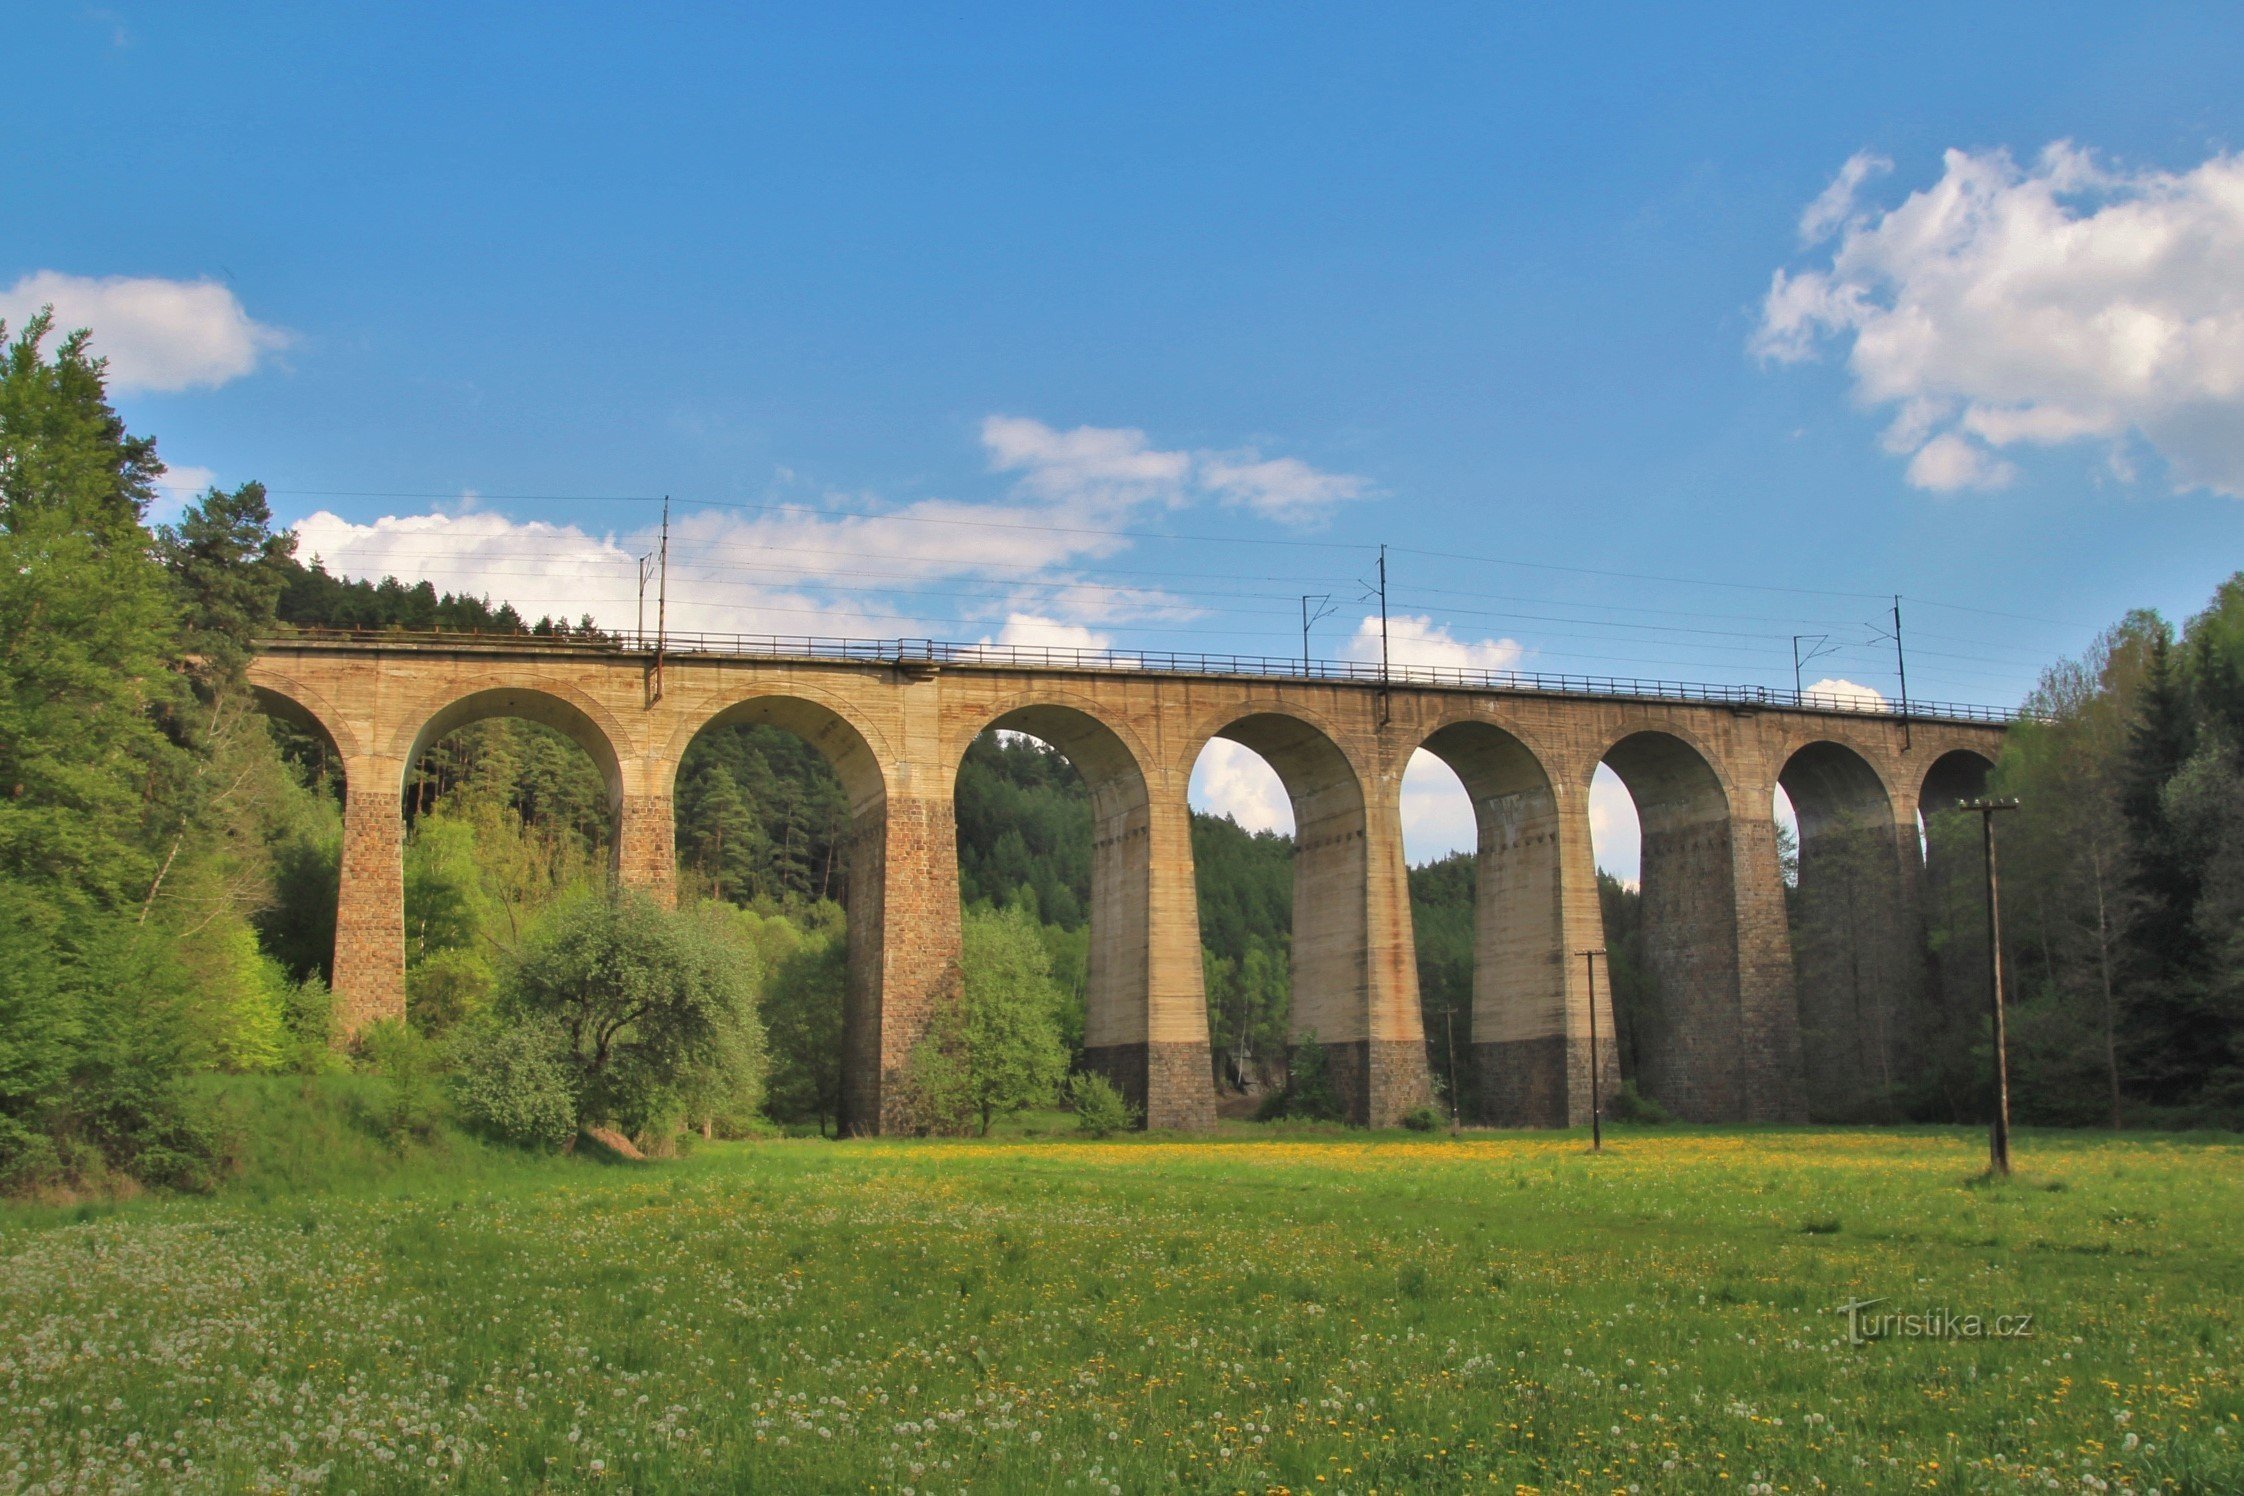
{"x":895,"y":726}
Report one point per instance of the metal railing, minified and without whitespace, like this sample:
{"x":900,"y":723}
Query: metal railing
{"x":934,"y":652}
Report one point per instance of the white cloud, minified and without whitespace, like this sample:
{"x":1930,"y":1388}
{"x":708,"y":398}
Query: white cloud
{"x":1847,"y":693}
{"x":1099,"y":470}
{"x":1282,"y":488}
{"x":1095,"y":464}
{"x":1949,"y":462}
{"x":158,"y":335}
{"x":802,"y":571}
{"x":1233,"y":780}
{"x":2057,"y":302}
{"x":1418,"y":645}
{"x":1835,"y":205}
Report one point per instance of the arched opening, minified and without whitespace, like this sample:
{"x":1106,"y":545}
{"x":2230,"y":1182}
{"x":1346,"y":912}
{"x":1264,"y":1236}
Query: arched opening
{"x":1851,"y":949}
{"x":1343,"y":994}
{"x":1242,"y":863}
{"x":781,"y":812}
{"x":1441,"y":842}
{"x":511,"y":799}
{"x":1524,"y":1052}
{"x":298,"y":927}
{"x":1954,"y":776}
{"x":1679,"y":1028}
{"x":1054,"y":825}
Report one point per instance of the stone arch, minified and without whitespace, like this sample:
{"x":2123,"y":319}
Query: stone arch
{"x":882,"y":1014}
{"x":1851,"y":935}
{"x":847,"y":742}
{"x":294,"y":702}
{"x":1145,"y":1014}
{"x":1335,"y":989}
{"x":1521,"y":1044}
{"x":575,"y":716}
{"x":1829,"y":782}
{"x":1690,"y":1038}
{"x":1959,"y":774}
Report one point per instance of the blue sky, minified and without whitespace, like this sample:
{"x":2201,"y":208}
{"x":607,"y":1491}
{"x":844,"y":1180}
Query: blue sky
{"x":1489,"y":286}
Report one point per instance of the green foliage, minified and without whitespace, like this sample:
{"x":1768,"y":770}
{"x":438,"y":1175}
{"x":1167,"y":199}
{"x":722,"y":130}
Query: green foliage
{"x":410,"y":1107}
{"x":1310,"y":1094}
{"x":88,"y":635}
{"x":230,"y":566}
{"x":1024,"y":823}
{"x":1443,"y":920}
{"x":448,"y":986}
{"x":996,"y":1050}
{"x":1627,"y":1104}
{"x":1101,"y":1110}
{"x":761,"y":815}
{"x":1421,"y":1119}
{"x":515,"y":1083}
{"x":646,"y":999}
{"x":805,"y":961}
{"x":312,"y":598}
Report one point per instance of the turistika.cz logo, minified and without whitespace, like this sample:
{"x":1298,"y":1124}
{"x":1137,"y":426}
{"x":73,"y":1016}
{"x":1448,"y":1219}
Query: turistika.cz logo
{"x":1929,"y":1324}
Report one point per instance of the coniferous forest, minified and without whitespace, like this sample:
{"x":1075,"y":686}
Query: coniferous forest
{"x":168,"y":865}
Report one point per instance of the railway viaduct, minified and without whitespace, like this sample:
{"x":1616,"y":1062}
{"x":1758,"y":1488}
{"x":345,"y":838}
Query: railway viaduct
{"x":895,"y":719}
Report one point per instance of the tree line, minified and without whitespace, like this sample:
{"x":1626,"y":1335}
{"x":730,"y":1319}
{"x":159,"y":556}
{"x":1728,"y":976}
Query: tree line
{"x":168,"y":856}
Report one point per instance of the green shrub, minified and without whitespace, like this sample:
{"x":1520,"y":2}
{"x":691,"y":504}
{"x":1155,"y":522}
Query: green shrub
{"x":1100,"y":1108}
{"x":1627,"y":1104}
{"x":514,"y":1082}
{"x":1421,"y":1119}
{"x":1310,"y":1094}
{"x":646,"y":1002}
{"x":412,"y":1096}
{"x":447,"y":987}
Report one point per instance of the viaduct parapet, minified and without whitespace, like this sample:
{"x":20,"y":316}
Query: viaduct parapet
{"x":896,"y":725}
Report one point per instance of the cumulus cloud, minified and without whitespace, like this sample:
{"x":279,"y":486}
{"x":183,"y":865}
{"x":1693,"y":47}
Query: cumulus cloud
{"x":805,"y":570}
{"x":1418,"y":645}
{"x":159,"y":335}
{"x":1835,"y":205}
{"x":1847,"y":693}
{"x":1233,"y":780}
{"x":2006,"y":306}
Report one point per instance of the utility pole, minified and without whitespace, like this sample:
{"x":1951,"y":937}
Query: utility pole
{"x":1901,"y":666}
{"x":1998,"y":1134}
{"x":1325,"y":609}
{"x":1816,"y":650}
{"x":662,"y":598}
{"x":1383,"y":635}
{"x":1597,"y":1127}
{"x":646,"y":569}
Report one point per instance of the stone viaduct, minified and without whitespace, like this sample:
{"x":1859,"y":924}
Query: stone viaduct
{"x":896,"y":720}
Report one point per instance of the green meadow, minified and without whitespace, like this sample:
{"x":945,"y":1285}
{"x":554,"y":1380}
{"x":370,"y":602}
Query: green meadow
{"x":1251,"y":1312}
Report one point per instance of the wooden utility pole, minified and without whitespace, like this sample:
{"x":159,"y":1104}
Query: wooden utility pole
{"x":1998,"y":1134}
{"x":1597,"y":1126}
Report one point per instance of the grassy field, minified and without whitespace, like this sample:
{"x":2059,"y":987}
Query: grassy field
{"x":1351,"y":1313}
